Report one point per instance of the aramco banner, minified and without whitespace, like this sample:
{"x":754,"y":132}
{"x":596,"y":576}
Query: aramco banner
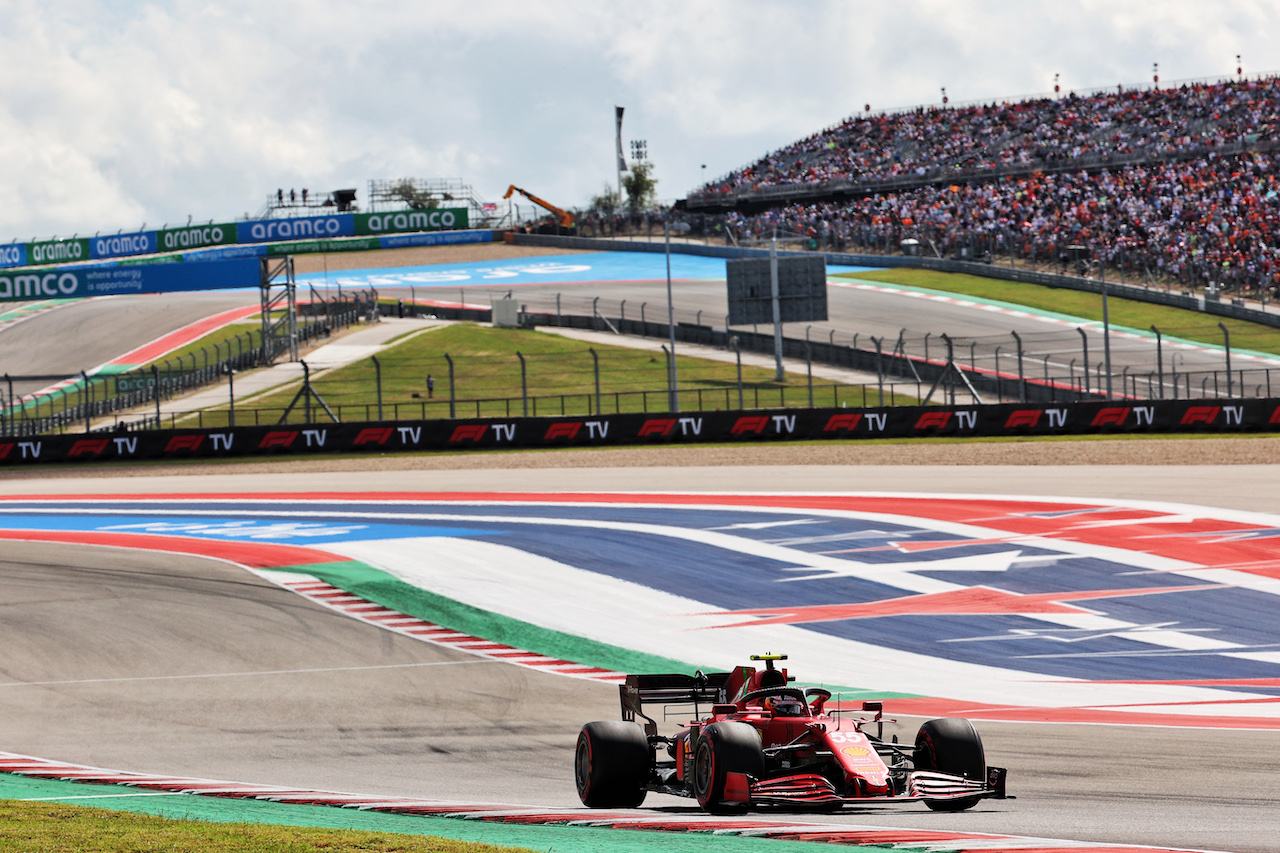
{"x":231,"y":233}
{"x":400,"y":221}
{"x":69,"y":282}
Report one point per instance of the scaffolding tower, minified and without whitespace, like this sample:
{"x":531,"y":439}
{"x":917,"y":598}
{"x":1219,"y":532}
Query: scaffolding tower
{"x":278,"y":288}
{"x":426,"y":193}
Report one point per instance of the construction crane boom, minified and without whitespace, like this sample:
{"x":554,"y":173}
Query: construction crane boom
{"x":563,"y":217}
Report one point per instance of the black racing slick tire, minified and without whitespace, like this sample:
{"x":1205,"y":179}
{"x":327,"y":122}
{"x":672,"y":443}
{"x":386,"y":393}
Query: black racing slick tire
{"x":724,"y":748}
{"x":951,"y":745}
{"x":611,"y":765}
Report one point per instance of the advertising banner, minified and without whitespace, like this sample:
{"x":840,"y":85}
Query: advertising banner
{"x":123,"y":245}
{"x":470,"y":434}
{"x":13,"y":255}
{"x":196,"y":236}
{"x":299,"y":228}
{"x":58,"y":251}
{"x":315,"y":247}
{"x":396,"y":221}
{"x":445,"y":238}
{"x":71,"y":282}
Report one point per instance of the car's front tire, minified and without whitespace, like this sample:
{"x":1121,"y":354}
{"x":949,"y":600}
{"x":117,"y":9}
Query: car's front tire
{"x":724,"y":748}
{"x":611,"y":765}
{"x":951,"y":745}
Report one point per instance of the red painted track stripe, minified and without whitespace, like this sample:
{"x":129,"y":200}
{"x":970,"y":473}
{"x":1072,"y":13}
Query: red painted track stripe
{"x":181,"y":337}
{"x":255,"y":555}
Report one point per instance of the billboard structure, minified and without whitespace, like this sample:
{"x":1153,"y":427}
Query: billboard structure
{"x":777,"y":290}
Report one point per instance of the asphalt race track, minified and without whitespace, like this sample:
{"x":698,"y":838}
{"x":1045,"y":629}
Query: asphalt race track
{"x":146,"y":662}
{"x":151,"y":662}
{"x":84,"y":334}
{"x":879,"y":311}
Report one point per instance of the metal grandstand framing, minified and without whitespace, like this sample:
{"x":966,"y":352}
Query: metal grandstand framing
{"x":387,"y":194}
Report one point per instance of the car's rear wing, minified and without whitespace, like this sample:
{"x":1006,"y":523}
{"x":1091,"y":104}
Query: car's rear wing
{"x":670,"y":689}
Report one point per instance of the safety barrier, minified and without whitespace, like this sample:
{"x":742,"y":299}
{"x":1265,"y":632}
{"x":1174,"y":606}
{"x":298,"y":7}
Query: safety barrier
{"x":673,"y":428}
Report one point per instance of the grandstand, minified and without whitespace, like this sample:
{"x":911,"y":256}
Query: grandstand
{"x":1173,"y":184}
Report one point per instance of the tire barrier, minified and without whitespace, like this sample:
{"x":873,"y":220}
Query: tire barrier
{"x":675,"y":428}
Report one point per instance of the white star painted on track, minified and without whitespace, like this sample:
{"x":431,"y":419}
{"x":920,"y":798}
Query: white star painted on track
{"x":1132,"y":522}
{"x":901,"y":575}
{"x":764,"y":525}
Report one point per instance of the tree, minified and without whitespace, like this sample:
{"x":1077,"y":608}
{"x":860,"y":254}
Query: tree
{"x":417,"y":199}
{"x":641,"y":188}
{"x":605,"y":203}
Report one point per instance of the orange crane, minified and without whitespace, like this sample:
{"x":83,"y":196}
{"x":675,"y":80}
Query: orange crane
{"x":563,"y":217}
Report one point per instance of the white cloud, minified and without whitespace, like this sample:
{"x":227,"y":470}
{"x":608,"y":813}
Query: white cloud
{"x":125,"y":113}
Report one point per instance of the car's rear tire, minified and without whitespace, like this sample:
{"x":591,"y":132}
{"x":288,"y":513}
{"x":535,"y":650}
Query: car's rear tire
{"x":611,"y":765}
{"x":724,"y":748}
{"x":951,"y":745}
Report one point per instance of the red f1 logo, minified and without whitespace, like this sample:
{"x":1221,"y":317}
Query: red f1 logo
{"x":92,"y":446}
{"x":468,"y":432}
{"x":842,"y":423}
{"x":373,"y":436}
{"x":753,"y":424}
{"x":660,"y":426}
{"x":277,"y":439}
{"x":1024,"y":417}
{"x":933,"y":419}
{"x":1200,"y":415}
{"x":566,"y":429}
{"x":1115,"y":416}
{"x":184,"y":442}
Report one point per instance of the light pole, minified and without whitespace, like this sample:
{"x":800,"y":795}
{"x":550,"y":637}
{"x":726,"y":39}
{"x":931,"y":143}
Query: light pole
{"x":680,"y":228}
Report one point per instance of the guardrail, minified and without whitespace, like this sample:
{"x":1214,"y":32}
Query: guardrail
{"x":76,"y":403}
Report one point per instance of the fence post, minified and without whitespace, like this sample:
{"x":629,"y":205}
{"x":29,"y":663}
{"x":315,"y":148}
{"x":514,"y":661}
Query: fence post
{"x":86,"y":397}
{"x":1022,"y":379}
{"x":1084,"y":341}
{"x":377,"y":373}
{"x":9,"y":415}
{"x":879,"y":367}
{"x":1226,"y":337}
{"x":453,"y":398}
{"x":671,"y":391}
{"x":1159,"y":359}
{"x":524,"y":383}
{"x":595,"y":364}
{"x":737,"y":350}
{"x":808,"y":359}
{"x":231,"y":392}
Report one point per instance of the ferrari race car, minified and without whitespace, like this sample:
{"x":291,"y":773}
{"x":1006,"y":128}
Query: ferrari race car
{"x":766,"y":743}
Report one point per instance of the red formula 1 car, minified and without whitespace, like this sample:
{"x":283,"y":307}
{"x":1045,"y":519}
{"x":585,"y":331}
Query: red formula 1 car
{"x":768,"y":743}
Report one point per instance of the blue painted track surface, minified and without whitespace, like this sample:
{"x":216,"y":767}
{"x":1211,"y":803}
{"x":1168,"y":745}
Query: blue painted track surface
{"x":545,"y":269}
{"x":604,"y":540}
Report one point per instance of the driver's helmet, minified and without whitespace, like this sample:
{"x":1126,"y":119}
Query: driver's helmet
{"x":785,"y":706}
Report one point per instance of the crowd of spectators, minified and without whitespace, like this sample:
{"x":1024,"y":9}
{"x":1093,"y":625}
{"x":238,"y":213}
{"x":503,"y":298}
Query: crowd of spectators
{"x":1211,"y":219}
{"x":937,"y":143}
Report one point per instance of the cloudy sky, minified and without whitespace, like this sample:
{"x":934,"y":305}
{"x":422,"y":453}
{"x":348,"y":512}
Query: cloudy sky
{"x":117,"y":113}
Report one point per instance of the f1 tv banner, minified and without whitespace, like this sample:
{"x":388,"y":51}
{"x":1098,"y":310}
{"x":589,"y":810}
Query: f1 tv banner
{"x":1115,"y":417}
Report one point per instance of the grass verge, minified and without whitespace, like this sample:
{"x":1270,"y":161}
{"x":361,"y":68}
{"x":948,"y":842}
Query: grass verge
{"x":494,"y":369}
{"x":35,"y":827}
{"x":1173,"y":322}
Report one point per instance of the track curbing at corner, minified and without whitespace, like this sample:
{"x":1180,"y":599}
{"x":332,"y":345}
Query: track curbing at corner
{"x":334,"y":598}
{"x":936,"y":841}
{"x":957,"y":606}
